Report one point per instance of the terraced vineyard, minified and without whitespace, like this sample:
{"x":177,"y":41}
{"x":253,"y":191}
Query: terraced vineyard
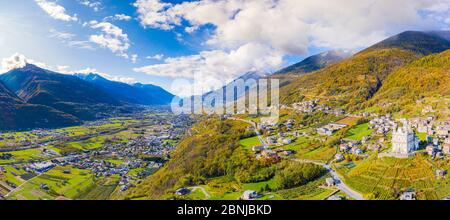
{"x":386,"y":178}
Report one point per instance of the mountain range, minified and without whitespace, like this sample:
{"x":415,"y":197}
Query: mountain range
{"x":33,"y":97}
{"x":315,"y":62}
{"x":136,"y":93}
{"x":353,"y":82}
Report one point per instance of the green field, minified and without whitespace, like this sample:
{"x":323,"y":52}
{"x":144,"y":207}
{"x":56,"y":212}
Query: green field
{"x":358,"y":132}
{"x":23,"y":156}
{"x":310,"y":148}
{"x":67,"y":185}
{"x":248,"y":143}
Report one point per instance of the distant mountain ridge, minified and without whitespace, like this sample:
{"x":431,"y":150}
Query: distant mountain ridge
{"x":315,"y":62}
{"x":133,"y":94}
{"x":33,"y":97}
{"x":65,"y":93}
{"x":424,"y":43}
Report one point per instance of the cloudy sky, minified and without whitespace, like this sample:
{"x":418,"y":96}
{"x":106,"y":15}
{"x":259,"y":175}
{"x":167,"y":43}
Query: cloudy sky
{"x":209,"y":42}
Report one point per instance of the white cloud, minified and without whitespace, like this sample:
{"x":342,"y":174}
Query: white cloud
{"x":217,"y":67}
{"x":69,"y":39}
{"x":118,"y":17}
{"x":156,"y":14}
{"x":127,"y":80}
{"x":111,"y":37}
{"x":55,"y":11}
{"x":18,"y":60}
{"x":292,"y":26}
{"x":124,"y":79}
{"x":156,"y":57}
{"x":277,"y":28}
{"x":63,"y":69}
{"x":95,"y":5}
{"x":134,"y":58}
{"x":13,"y":62}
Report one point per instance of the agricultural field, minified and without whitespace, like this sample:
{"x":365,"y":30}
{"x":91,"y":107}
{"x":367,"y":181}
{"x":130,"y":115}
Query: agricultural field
{"x":22,"y":156}
{"x":310,"y":148}
{"x":60,"y":184}
{"x":386,"y":178}
{"x":349,"y":121}
{"x":358,"y":132}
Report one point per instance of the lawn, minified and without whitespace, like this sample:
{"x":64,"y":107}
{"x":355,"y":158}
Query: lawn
{"x":358,"y":132}
{"x":422,"y":136}
{"x":248,"y":143}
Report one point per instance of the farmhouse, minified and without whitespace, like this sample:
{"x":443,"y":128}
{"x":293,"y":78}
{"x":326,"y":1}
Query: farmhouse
{"x":249,"y":195}
{"x":330,"y":182}
{"x":182,"y":191}
{"x":440,"y":173}
{"x":408,"y":195}
{"x":330,"y":129}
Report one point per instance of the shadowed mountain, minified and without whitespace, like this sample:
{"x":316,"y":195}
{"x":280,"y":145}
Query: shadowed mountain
{"x":315,"y":62}
{"x":134,"y":94}
{"x":65,"y":93}
{"x":15,"y":114}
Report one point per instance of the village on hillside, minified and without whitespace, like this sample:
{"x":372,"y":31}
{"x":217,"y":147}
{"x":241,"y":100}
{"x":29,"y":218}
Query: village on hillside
{"x":344,"y":144}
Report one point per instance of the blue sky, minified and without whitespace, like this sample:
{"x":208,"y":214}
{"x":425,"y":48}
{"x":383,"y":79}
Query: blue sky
{"x":205,"y":42}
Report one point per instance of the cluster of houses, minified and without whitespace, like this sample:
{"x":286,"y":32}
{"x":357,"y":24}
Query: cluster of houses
{"x":352,"y":147}
{"x":279,"y":140}
{"x":405,"y":142}
{"x":330,"y":129}
{"x":271,"y":155}
{"x":436,"y":149}
{"x":383,"y":124}
{"x":146,"y":152}
{"x":312,"y":106}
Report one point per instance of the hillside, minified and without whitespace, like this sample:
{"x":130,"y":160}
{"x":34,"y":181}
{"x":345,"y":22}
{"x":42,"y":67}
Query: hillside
{"x":351,"y":83}
{"x":426,"y":78}
{"x":348,"y":83}
{"x":211,"y":150}
{"x":419,"y":42}
{"x":133,"y":94}
{"x":212,"y":156}
{"x":15,"y":114}
{"x":315,"y":62}
{"x":65,"y":93}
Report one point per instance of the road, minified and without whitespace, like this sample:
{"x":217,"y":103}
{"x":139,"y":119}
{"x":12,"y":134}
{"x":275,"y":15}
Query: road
{"x":340,"y":184}
{"x":20,"y":186}
{"x":207,"y":196}
{"x":255,"y":127}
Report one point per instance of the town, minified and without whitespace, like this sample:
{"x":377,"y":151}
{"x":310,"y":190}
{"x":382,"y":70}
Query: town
{"x":46,"y":164}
